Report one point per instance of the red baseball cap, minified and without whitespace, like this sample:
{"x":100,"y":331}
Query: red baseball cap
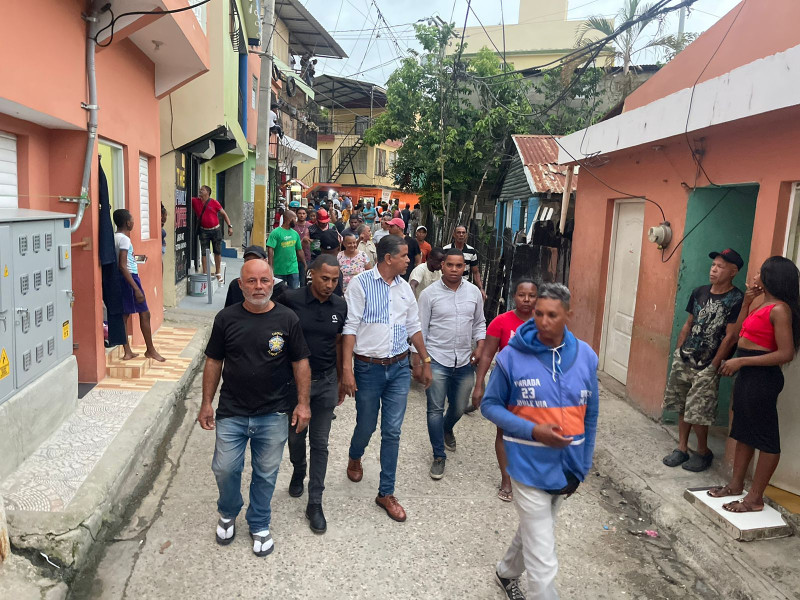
{"x":322,"y":216}
{"x":398,"y":222}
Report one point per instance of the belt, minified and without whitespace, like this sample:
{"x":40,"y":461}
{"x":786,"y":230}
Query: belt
{"x":382,"y":361}
{"x":210,"y":228}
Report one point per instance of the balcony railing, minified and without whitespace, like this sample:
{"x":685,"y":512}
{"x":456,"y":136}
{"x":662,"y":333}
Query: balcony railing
{"x":298,"y":130}
{"x":345,"y":127}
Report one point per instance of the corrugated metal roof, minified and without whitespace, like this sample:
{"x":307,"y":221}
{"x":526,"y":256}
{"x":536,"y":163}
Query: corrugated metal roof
{"x":539,"y":155}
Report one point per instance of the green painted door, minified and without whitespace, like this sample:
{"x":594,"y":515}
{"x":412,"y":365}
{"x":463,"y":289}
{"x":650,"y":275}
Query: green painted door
{"x":721,"y":222}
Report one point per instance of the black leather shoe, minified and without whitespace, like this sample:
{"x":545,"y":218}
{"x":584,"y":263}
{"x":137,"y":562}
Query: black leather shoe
{"x":296,"y":484}
{"x":316,"y":519}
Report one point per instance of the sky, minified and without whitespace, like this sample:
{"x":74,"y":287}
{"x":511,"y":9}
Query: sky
{"x":352,"y":24}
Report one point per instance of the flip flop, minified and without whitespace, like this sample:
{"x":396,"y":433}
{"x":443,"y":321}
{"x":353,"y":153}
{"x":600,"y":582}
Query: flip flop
{"x":740,"y":506}
{"x":505,"y":496}
{"x":722,"y":492}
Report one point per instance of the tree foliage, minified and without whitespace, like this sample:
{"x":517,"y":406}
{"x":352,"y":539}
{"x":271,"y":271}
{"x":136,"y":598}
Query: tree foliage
{"x":578,"y":108}
{"x":450,"y":121}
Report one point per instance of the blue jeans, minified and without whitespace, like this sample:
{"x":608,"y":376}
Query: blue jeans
{"x":455,"y":384}
{"x":267,"y":435}
{"x":385,"y":388}
{"x":291,"y":279}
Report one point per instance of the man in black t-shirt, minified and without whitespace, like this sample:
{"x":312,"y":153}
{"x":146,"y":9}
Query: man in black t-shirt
{"x":258,"y":348}
{"x":396,"y":227}
{"x":706,"y":339}
{"x":322,"y":316}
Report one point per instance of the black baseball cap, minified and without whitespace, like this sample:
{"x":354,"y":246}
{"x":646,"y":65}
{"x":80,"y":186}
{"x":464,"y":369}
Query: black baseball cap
{"x":729,"y":255}
{"x":329,"y":239}
{"x":256,"y":251}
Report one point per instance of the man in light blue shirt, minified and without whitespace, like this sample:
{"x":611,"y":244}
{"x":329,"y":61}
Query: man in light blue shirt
{"x":453,"y":327}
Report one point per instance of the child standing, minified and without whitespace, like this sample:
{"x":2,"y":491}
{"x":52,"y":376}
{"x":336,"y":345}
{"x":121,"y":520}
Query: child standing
{"x":133,"y":300}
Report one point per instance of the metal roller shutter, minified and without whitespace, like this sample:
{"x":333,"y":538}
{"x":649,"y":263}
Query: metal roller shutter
{"x":8,"y":171}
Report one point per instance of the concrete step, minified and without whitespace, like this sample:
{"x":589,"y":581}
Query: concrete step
{"x":134,"y":368}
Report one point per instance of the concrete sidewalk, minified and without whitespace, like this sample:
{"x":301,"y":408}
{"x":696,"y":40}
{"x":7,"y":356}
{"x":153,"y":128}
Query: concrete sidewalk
{"x":81,"y":481}
{"x":629,"y":451}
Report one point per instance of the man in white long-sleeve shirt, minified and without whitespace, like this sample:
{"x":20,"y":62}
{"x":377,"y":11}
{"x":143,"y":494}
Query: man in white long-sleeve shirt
{"x":453,"y":327}
{"x":381,"y":318}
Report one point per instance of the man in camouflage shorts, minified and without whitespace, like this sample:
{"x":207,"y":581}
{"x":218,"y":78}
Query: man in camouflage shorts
{"x":706,"y":339}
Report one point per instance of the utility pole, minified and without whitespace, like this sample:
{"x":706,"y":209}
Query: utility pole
{"x":261,"y":196}
{"x":681,"y":22}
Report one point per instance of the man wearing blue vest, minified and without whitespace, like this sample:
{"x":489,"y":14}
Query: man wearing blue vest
{"x":543,"y":395}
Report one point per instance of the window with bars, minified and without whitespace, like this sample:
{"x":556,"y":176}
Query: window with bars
{"x":359,"y":160}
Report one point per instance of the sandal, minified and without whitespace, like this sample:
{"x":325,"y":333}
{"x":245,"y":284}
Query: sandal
{"x":505,"y":495}
{"x":224,"y":528}
{"x":723,"y":491}
{"x":262,"y":544}
{"x":740,"y":506}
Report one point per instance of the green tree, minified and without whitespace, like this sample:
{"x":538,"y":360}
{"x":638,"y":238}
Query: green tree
{"x":454,"y":125}
{"x":630,"y":42}
{"x":578,"y":107}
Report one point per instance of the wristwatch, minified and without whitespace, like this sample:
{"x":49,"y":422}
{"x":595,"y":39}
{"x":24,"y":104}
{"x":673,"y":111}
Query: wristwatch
{"x":427,"y":359}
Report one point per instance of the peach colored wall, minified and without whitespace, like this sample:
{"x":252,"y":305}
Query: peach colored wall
{"x":64,"y":61}
{"x":762,"y":29}
{"x":51,"y":160}
{"x":760,"y":150}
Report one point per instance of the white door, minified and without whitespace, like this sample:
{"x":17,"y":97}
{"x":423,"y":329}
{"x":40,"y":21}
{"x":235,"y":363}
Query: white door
{"x":787,"y":475}
{"x":8,"y":171}
{"x":623,"y":282}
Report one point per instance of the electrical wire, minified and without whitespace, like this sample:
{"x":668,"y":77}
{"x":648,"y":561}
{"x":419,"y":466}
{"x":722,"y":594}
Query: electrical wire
{"x":114,"y":19}
{"x":691,"y":99}
{"x":696,"y":225}
{"x":656,"y":10}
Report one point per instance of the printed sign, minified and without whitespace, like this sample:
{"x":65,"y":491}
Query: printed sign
{"x":65,"y":330}
{"x":181,"y":220}
{"x":5,"y":366}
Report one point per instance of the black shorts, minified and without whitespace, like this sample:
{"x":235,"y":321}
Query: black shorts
{"x":212,"y":237}
{"x":755,"y":405}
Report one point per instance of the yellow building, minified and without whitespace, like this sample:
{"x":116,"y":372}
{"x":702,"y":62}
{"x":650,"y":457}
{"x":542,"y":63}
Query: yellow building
{"x":346,"y":163}
{"x":542,"y":34}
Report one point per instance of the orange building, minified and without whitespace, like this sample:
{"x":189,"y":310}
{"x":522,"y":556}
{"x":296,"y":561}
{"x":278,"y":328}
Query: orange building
{"x":42,"y":119}
{"x":712,"y":141}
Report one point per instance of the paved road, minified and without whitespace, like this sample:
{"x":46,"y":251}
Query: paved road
{"x":456,"y":531}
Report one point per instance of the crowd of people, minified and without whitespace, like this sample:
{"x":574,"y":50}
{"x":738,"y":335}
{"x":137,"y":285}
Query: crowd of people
{"x":332,"y":309}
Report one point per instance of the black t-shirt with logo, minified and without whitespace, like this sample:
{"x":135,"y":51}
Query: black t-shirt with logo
{"x":321,"y":322}
{"x":258,"y":351}
{"x":712,"y":313}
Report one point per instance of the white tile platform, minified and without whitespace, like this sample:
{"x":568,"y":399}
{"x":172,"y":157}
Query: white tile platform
{"x":766,"y":524}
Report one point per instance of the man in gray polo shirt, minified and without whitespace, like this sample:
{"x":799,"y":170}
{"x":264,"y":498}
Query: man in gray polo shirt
{"x":451,"y":316}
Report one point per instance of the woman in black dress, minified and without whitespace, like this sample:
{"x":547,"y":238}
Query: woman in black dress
{"x":769,"y":337}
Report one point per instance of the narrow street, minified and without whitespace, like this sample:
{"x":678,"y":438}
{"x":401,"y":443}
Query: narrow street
{"x":456,"y":531}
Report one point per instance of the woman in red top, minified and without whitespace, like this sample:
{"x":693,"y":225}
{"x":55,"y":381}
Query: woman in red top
{"x":769,"y":338}
{"x":499,"y":332}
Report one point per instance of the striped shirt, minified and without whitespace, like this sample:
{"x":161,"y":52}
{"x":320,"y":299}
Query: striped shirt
{"x":470,"y":259}
{"x":381,"y":316}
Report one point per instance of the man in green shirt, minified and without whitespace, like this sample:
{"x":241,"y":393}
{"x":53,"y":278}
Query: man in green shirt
{"x":285,"y":251}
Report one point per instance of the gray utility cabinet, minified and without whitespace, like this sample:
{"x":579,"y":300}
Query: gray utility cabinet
{"x":35,"y":295}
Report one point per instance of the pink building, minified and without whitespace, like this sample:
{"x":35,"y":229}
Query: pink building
{"x":44,"y":127}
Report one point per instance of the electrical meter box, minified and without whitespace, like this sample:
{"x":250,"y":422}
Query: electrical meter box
{"x":35,"y":295}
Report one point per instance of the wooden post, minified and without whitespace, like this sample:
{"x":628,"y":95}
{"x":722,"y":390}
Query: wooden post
{"x":565,"y":198}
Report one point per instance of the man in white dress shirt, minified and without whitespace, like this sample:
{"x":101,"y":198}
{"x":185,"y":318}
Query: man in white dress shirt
{"x":452,"y":321}
{"x":382,"y":316}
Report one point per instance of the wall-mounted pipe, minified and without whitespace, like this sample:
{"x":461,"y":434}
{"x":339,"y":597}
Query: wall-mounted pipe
{"x":91,"y":106}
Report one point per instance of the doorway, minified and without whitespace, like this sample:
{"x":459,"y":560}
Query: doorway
{"x":787,"y":475}
{"x":623,"y":283}
{"x":723,"y":218}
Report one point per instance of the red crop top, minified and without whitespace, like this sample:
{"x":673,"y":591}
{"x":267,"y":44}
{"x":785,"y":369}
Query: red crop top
{"x":758,"y":328}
